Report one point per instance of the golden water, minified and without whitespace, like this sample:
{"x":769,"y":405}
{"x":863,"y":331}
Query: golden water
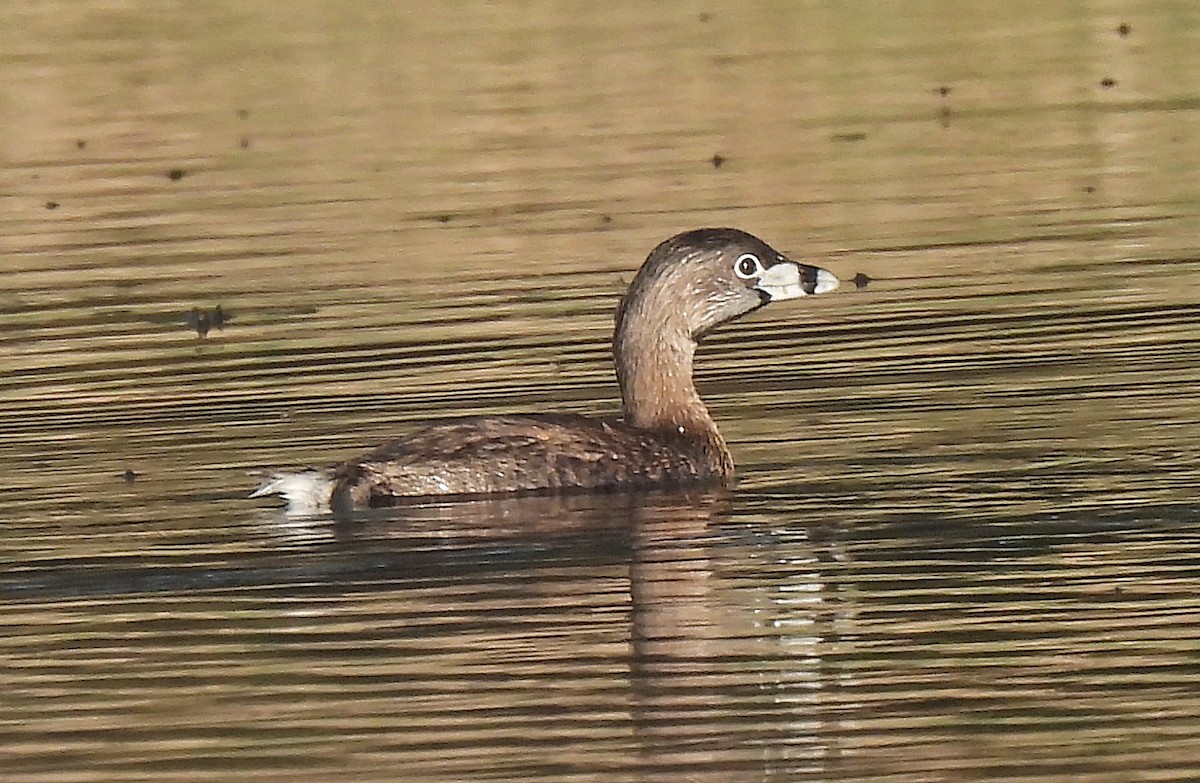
{"x":964,"y":542}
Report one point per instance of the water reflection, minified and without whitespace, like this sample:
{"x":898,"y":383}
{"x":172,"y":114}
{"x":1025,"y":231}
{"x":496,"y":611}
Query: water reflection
{"x":724,"y":674}
{"x":688,"y":636}
{"x":714,"y":682}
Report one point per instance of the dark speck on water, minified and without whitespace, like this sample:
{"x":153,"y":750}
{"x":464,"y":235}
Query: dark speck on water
{"x":446,"y":218}
{"x":130,"y":476}
{"x":51,"y":205}
{"x":245,"y":142}
{"x":243,"y":114}
{"x":176,"y":174}
{"x":861,"y":280}
{"x":718,"y":161}
{"x":704,"y":17}
{"x":1107,"y":82}
{"x":204,"y":321}
{"x":80,"y":144}
{"x":849,"y":137}
{"x":1089,"y":189}
{"x":944,"y":91}
{"x":1124,"y":29}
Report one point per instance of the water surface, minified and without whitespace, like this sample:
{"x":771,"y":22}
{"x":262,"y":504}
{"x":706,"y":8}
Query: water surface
{"x":963,"y":546}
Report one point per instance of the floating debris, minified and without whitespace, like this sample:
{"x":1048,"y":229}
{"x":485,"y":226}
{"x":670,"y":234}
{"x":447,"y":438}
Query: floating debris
{"x":52,"y":205}
{"x":717,"y":161}
{"x":130,"y":475}
{"x":176,"y":174}
{"x":944,"y":113}
{"x":204,"y":321}
{"x":860,"y":281}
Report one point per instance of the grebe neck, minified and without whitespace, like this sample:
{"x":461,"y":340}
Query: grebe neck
{"x":654,"y":350}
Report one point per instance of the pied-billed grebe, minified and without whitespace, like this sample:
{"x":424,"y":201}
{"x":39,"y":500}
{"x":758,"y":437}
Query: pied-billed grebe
{"x":689,"y":284}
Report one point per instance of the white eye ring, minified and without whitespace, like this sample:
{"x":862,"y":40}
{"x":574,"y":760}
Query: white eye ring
{"x":747,"y":267}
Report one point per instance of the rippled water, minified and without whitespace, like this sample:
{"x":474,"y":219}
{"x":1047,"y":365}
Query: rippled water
{"x":964,"y":545}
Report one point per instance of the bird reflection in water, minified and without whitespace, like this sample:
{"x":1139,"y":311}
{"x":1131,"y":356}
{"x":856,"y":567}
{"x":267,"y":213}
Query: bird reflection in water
{"x":717,"y":680}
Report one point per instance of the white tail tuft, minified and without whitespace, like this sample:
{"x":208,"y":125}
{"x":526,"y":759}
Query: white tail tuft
{"x":307,"y":493}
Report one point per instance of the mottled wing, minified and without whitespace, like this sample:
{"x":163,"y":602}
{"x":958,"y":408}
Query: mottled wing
{"x":488,"y":455}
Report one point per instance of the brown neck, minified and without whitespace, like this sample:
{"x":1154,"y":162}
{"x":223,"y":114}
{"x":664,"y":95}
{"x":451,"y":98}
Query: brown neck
{"x":653,"y":350}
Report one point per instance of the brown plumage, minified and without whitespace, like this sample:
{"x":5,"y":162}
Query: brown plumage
{"x":688,"y":285}
{"x":497,"y":454}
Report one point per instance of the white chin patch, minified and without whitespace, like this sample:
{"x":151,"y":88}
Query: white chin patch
{"x":782,"y":281}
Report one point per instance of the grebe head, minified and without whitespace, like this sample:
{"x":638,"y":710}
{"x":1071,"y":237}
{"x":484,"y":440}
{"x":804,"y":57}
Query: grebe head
{"x":690,"y":284}
{"x":700,"y":279}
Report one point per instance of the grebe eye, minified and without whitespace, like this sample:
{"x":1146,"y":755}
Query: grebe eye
{"x":747,"y":266}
